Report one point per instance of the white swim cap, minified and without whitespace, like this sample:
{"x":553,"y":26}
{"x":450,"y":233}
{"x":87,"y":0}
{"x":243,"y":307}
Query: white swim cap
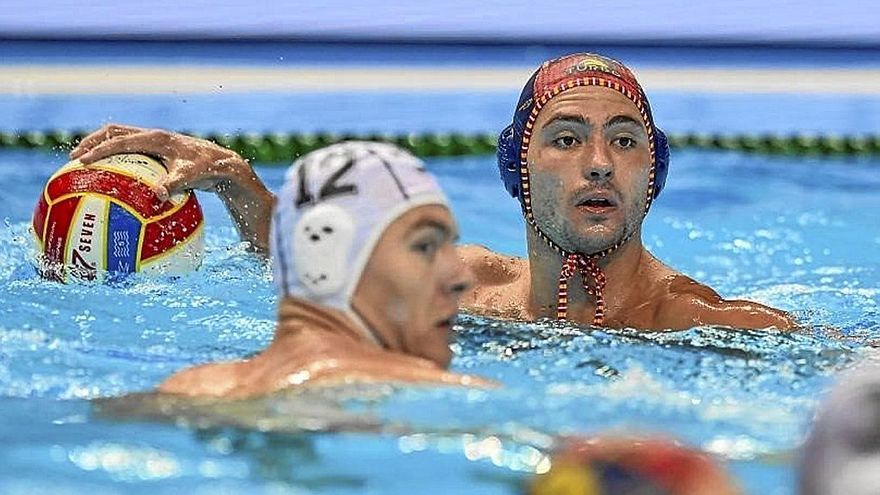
{"x":334,"y":206}
{"x":842,"y":453}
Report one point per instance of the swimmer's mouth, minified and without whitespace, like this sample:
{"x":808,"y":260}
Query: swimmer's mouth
{"x":597,"y":203}
{"x":446,"y":324}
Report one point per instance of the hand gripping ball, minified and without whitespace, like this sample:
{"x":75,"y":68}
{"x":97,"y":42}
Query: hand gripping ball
{"x":104,"y":220}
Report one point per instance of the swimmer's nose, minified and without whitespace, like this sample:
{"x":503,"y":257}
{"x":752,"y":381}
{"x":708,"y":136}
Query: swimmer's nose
{"x":600,"y":172}
{"x":597,"y":162}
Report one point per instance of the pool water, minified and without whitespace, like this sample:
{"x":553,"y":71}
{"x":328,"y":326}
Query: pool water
{"x":796,"y":233}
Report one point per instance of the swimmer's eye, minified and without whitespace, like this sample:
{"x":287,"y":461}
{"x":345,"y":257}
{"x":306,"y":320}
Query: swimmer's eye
{"x":625,"y":142}
{"x":565,"y":142}
{"x":426,"y":247}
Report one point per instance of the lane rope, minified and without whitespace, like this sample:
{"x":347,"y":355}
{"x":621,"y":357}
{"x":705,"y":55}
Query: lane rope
{"x":283,"y":148}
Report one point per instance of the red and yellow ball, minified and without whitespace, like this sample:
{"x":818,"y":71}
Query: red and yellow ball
{"x":104,"y":220}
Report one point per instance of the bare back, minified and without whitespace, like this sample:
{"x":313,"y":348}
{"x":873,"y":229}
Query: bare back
{"x":309,"y":359}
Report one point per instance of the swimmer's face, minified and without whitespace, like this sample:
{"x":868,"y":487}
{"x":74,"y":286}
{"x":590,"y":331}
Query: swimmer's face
{"x":589,"y":164}
{"x":410,"y":289}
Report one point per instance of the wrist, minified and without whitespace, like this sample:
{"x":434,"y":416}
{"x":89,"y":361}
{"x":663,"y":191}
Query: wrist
{"x":239,"y":180}
{"x":248,"y":202}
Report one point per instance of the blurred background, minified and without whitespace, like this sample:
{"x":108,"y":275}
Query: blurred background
{"x":773,"y":110}
{"x":456,"y":66}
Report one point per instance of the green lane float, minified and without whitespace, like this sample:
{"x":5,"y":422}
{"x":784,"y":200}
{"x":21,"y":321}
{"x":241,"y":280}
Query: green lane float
{"x":279,"y":147}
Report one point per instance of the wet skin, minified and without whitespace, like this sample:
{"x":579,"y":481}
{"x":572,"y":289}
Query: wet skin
{"x":408,"y":295}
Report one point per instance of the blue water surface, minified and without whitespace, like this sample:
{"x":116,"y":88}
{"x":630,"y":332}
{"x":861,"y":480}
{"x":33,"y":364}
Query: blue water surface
{"x":795,"y":233}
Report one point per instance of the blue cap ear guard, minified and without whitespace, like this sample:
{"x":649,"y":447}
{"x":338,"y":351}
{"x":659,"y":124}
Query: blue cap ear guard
{"x":508,"y":162}
{"x":661,"y":160}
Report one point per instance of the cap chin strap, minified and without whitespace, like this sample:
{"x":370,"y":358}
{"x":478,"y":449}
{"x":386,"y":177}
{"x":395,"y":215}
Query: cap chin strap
{"x":587,"y":265}
{"x":593,"y":279}
{"x":362,"y":326}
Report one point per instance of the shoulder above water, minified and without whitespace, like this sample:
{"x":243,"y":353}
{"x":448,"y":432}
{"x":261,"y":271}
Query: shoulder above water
{"x":688,"y":303}
{"x":277,"y":369}
{"x":501,"y":288}
{"x":491,"y":268}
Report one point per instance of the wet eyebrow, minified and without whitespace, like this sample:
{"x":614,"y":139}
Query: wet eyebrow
{"x":625,"y":121}
{"x":567,"y":119}
{"x":427,"y":223}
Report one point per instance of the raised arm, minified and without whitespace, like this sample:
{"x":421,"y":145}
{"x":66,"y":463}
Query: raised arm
{"x":192,"y":163}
